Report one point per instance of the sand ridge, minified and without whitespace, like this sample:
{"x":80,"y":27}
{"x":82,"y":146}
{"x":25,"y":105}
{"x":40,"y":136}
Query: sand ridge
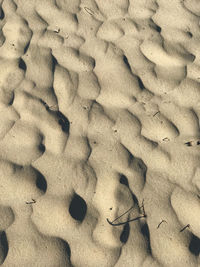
{"x":99,"y":111}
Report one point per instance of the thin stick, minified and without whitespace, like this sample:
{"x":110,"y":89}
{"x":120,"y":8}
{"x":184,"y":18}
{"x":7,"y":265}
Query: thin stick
{"x":122,"y":223}
{"x":89,"y":11}
{"x":189,"y":143}
{"x":123,"y":214}
{"x":160,"y":223}
{"x":156,"y":113}
{"x":31,"y":202}
{"x":185,"y":228}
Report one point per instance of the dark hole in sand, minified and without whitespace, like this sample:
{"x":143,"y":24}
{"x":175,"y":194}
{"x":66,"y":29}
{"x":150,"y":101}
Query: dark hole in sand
{"x":12,"y":99}
{"x":142,"y":167}
{"x":125,"y":233}
{"x":22,"y":64}
{"x":26,"y":47}
{"x":190,"y":34}
{"x":194,"y":246}
{"x":64,"y":122}
{"x":67,"y":248}
{"x":41,"y":182}
{"x":3,"y":246}
{"x":192,"y":57}
{"x":123,"y":180}
{"x":78,"y":208}
{"x":54,"y":63}
{"x":2,"y":15}
{"x":41,"y":148}
{"x":157,"y":28}
{"x":145,"y":232}
{"x":141,"y":85}
{"x":125,"y":59}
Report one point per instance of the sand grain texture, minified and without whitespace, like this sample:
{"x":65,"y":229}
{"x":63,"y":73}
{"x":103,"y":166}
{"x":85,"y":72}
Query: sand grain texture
{"x":99,"y":113}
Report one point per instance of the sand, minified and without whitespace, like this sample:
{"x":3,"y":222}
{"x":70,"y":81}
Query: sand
{"x":99,"y":133}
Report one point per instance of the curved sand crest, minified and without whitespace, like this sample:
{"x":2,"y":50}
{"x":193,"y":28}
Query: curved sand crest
{"x":99,"y":114}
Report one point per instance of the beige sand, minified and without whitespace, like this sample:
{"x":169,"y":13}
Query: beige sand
{"x":99,"y":112}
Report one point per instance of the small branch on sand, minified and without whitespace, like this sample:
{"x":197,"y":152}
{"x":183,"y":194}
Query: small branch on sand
{"x":57,"y":31}
{"x":89,"y":11}
{"x":156,"y":113}
{"x":122,"y":223}
{"x":161,"y":223}
{"x":166,"y":139}
{"x":131,"y":220}
{"x":188,"y":143}
{"x":193,"y":143}
{"x":123,"y":214}
{"x":31,"y":202}
{"x":184,"y":228}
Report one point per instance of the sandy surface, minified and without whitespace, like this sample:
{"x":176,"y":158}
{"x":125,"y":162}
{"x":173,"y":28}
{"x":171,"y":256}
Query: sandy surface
{"x":99,"y":114}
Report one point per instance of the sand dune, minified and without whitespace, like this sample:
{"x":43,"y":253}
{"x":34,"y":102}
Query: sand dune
{"x":99,"y":133}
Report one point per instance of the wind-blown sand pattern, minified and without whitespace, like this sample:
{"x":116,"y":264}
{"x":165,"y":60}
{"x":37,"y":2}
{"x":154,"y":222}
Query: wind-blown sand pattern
{"x":99,"y":112}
